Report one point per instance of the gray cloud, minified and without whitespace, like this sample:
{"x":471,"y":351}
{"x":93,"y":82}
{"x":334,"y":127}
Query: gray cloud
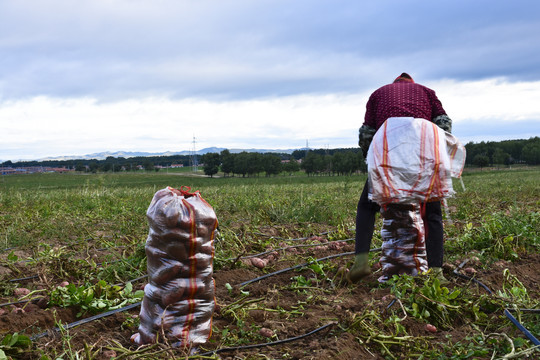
{"x":246,"y":49}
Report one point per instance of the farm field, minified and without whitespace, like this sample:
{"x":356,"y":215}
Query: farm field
{"x":72,"y":247}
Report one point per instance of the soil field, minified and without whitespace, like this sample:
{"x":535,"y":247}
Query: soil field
{"x":312,"y":305}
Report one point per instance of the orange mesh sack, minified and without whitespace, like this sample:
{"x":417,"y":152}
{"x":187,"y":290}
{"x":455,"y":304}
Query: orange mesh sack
{"x":413,"y":160}
{"x":404,"y":247}
{"x":179,"y":297}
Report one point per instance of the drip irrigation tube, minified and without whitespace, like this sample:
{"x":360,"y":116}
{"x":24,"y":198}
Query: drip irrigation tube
{"x":132,"y":280}
{"x":254,"y":346}
{"x":25,"y":278}
{"x":87,"y":320}
{"x":293,"y":268}
{"x":15,"y":303}
{"x":526,"y":332}
{"x":299,"y":266}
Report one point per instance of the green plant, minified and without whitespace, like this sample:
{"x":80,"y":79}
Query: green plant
{"x":95,"y":298}
{"x":514,"y":290}
{"x":320,"y":269}
{"x":125,"y":268}
{"x":300,"y":283}
{"x":424,"y":298}
{"x":14,"y":345}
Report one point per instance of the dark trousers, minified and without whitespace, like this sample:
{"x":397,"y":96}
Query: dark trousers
{"x":365,"y":225}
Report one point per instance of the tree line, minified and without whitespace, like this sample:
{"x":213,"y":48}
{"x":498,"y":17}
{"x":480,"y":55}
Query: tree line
{"x":313,"y":162}
{"x":505,"y":152}
{"x":109,"y":164}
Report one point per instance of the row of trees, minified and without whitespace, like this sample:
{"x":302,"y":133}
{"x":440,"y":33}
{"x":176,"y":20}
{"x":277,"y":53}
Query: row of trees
{"x":109,"y":164}
{"x":506,"y":152}
{"x":318,"y":161}
{"x":246,"y":163}
{"x":251,"y":164}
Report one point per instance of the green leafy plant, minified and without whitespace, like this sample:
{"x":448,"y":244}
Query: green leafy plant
{"x":95,"y":298}
{"x":126,"y":268}
{"x":514,"y":290}
{"x":300,"y":283}
{"x":319,"y":269}
{"x":14,"y":345}
{"x":424,"y":298}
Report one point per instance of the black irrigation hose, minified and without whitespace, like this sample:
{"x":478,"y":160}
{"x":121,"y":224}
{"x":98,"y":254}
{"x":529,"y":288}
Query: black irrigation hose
{"x":25,"y":278}
{"x":87,"y":320}
{"x":527,"y":333}
{"x":293,"y":268}
{"x":10,"y":248}
{"x":300,"y":266}
{"x":15,"y":303}
{"x":132,"y":280}
{"x":254,"y":346}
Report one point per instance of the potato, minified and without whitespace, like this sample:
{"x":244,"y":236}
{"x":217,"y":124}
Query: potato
{"x":431,"y":328}
{"x":258,"y":263}
{"x":21,"y":292}
{"x":266,"y":332}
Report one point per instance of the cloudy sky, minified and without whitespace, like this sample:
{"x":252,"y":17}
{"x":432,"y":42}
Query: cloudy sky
{"x":79,"y":77}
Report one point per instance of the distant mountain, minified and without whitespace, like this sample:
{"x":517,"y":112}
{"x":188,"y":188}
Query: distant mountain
{"x":129,"y":154}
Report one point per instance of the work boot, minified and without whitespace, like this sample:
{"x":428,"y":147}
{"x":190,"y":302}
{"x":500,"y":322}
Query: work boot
{"x":360,"y":269}
{"x":438,"y":274}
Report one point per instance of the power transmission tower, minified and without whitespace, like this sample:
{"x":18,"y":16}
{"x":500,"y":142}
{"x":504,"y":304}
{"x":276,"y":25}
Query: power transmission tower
{"x":194,"y":156}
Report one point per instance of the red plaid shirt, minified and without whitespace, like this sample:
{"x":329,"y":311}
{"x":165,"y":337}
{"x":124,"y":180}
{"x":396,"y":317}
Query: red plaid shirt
{"x":402,"y":99}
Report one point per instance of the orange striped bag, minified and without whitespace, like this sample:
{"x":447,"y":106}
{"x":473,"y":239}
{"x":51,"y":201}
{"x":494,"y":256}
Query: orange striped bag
{"x":179,"y":297}
{"x":413,"y":160}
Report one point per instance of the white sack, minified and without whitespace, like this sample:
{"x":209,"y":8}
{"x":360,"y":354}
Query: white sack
{"x":413,"y":160}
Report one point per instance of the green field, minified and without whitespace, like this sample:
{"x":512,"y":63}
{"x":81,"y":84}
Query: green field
{"x":67,"y":207}
{"x":45,"y":217}
{"x":70,"y":207}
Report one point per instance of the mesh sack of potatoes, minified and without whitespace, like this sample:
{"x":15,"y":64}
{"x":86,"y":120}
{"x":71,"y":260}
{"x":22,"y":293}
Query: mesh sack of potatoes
{"x":404,"y":246}
{"x":178,"y":301}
